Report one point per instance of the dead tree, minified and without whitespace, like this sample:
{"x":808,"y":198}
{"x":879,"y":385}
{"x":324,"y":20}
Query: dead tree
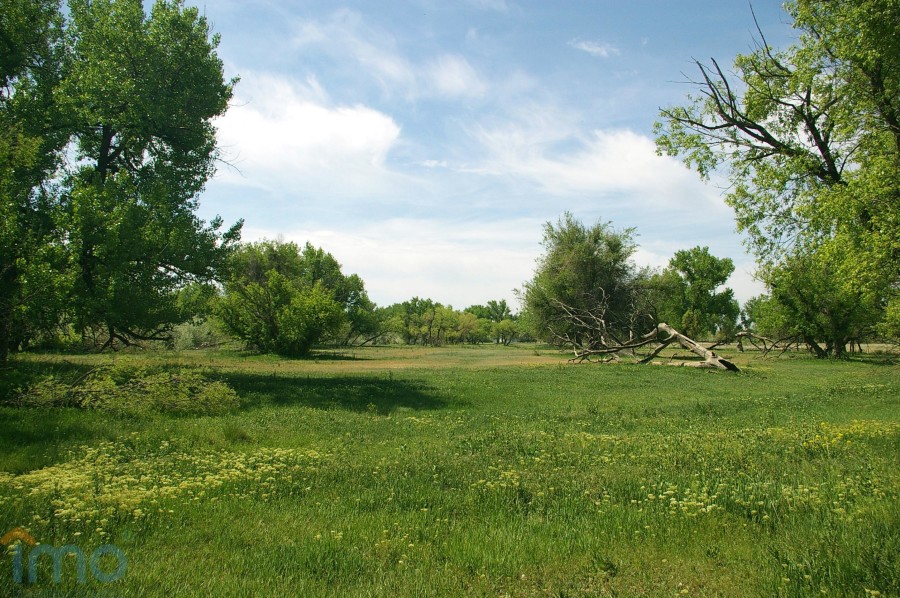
{"x":590,"y":336}
{"x":764,"y":344}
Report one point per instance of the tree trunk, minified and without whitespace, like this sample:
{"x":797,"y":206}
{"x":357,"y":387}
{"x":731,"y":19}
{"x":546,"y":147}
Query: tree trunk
{"x":710,"y":359}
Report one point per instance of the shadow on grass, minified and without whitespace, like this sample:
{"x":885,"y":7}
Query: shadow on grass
{"x":352,"y":393}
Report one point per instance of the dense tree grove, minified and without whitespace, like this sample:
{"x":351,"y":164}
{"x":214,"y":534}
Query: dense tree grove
{"x":810,"y":138}
{"x":426,"y":322}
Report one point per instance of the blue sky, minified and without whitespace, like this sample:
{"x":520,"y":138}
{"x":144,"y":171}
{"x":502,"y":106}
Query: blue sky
{"x":424,"y":144}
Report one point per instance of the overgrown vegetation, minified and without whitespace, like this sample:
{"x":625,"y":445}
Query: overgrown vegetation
{"x":125,"y":388}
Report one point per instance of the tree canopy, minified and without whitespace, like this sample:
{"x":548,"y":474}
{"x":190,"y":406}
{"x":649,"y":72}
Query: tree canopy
{"x":109,"y":224}
{"x":810,"y":140}
{"x":692,"y":296}
{"x":282,"y":299}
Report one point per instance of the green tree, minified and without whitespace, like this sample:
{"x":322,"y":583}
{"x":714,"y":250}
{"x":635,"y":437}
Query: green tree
{"x":139,"y":100}
{"x":278,"y":298}
{"x":690,"y":295}
{"x":467,"y":327}
{"x":505,"y":331}
{"x":285,"y":300}
{"x":588,"y":271}
{"x":411,"y":320}
{"x":825,"y":315}
{"x":493,"y":313}
{"x":810,"y":136}
{"x":317,"y":265}
{"x":32,"y":61}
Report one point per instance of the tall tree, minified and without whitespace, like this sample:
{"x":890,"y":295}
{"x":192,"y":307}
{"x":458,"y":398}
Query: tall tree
{"x":810,"y":136}
{"x":691,"y":295}
{"x":140,"y":98}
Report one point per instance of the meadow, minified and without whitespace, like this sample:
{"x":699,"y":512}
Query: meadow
{"x":467,"y":471}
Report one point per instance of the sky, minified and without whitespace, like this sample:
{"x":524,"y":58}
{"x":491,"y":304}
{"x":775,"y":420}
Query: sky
{"x":426,"y":143}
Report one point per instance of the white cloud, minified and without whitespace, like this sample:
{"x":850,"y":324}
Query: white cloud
{"x":452,"y":76}
{"x":599,"y":49}
{"x":281,"y":132}
{"x":434,"y":163}
{"x":346,"y":35}
{"x":549,"y":149}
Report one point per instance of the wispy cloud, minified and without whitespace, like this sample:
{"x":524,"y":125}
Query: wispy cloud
{"x":347,"y":35}
{"x":599,"y":49}
{"x":550,"y":148}
{"x":452,"y":76}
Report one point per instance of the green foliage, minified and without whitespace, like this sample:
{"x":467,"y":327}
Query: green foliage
{"x":688,"y":295}
{"x":283,"y":300}
{"x":586,"y":270}
{"x":144,"y":156}
{"x":818,"y":305}
{"x":812,"y":146}
{"x":32,"y":61}
{"x":106,"y":243}
{"x":130,"y":390}
{"x":505,"y":331}
{"x":889,"y":328}
{"x":426,"y":322}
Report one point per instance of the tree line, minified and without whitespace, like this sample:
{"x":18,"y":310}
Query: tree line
{"x":108,"y":142}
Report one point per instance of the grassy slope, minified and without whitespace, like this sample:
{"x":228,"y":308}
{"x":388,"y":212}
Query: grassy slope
{"x":476,"y":471}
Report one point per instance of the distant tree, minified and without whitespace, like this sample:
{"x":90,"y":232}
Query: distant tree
{"x":764,"y":316}
{"x":467,"y":327}
{"x":493,"y":313}
{"x":505,"y":331}
{"x":691,"y":296}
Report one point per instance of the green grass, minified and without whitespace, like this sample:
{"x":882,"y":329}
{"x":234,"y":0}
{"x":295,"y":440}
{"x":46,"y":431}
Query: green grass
{"x":472,"y":471}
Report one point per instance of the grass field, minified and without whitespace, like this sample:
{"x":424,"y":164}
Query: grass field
{"x":494,"y":471}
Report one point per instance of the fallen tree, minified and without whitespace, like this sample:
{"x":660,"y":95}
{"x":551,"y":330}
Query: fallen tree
{"x":661,"y":337}
{"x":590,"y":336}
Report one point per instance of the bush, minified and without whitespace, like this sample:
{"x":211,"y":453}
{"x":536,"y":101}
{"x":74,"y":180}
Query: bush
{"x":129,"y":390}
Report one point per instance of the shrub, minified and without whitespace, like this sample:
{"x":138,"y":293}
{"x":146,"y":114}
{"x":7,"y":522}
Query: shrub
{"x":130,"y":390}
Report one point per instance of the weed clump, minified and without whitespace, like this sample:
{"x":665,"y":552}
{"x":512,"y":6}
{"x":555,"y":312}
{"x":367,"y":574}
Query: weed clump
{"x":133,"y":390}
